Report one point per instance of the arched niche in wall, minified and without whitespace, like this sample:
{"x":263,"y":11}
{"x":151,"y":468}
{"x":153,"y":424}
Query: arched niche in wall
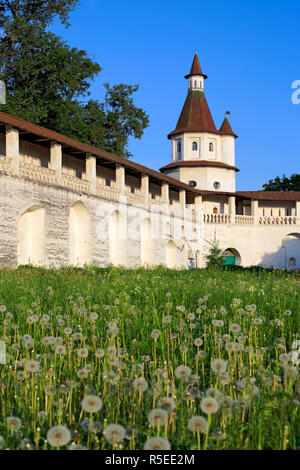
{"x":171,"y":252}
{"x":79,"y":235}
{"x":117,"y":240}
{"x":31,"y":237}
{"x":147,"y":243}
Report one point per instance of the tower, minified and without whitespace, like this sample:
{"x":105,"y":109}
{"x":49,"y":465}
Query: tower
{"x":201,"y":155}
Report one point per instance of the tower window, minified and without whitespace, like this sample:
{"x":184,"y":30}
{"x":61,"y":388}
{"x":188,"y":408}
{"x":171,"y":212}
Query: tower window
{"x":192,"y":183}
{"x":178,"y":146}
{"x":195,"y":146}
{"x":195,"y":83}
{"x":217,"y":185}
{"x":211,"y":147}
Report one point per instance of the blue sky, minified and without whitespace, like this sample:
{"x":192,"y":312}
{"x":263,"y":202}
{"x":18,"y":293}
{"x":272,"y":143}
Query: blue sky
{"x":249,"y":50}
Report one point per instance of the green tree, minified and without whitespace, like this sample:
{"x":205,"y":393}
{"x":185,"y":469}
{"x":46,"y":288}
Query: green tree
{"x":42,"y":11}
{"x":215,"y":256}
{"x":284,"y":184}
{"x":48,"y":82}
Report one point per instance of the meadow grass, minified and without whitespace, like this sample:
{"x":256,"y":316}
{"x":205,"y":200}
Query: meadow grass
{"x":156,"y":359}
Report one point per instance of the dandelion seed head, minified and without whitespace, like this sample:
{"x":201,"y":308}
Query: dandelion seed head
{"x":91,"y":403}
{"x":209,"y":405}
{"x":114,"y":433}
{"x":197,"y":424}
{"x":58,"y":436}
{"x":157,"y":417}
{"x":157,"y":443}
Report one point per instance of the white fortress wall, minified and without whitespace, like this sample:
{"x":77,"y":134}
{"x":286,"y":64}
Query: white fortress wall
{"x":58,"y":209}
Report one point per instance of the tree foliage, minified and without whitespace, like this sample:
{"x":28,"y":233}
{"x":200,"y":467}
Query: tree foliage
{"x":215,"y":256}
{"x":48,"y":82}
{"x":35,"y":11}
{"x":284,"y":184}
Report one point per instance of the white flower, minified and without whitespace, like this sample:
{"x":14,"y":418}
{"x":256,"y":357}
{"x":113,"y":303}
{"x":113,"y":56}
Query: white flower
{"x":99,"y":353}
{"x":219,"y":366}
{"x":182,"y":372}
{"x":114,"y":433}
{"x":157,"y":443}
{"x":209,"y":405}
{"x":140,"y":384}
{"x":235,"y":328}
{"x":157,"y":417}
{"x":296,"y":344}
{"x":82,"y":352}
{"x":167,"y":403}
{"x":91,"y":403}
{"x":32,"y":366}
{"x":58,"y":436}
{"x":155,"y":334}
{"x":60,"y":349}
{"x":13,"y":423}
{"x":197,"y":424}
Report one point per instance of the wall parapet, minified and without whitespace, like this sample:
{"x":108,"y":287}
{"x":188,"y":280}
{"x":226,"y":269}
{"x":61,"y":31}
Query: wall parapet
{"x":217,"y":218}
{"x":249,"y":220}
{"x":287,"y":220}
{"x":5,"y":164}
{"x":48,"y":176}
{"x":244,"y":219}
{"x":37,"y":173}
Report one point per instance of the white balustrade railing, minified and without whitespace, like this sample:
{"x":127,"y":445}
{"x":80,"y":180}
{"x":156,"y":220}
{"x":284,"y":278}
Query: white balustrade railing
{"x":217,"y":218}
{"x":244,"y":219}
{"x":282,"y":220}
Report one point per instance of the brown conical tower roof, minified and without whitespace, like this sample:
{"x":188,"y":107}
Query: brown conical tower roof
{"x":195,"y":115}
{"x":196,"y":68}
{"x":225,"y":129}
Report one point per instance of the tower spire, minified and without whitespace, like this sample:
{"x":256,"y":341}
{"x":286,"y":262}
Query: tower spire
{"x":225,"y":128}
{"x":196,"y":68}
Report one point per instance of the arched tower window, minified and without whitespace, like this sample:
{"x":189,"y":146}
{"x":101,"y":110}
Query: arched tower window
{"x":215,"y":210}
{"x":195,"y":146}
{"x":211,"y":147}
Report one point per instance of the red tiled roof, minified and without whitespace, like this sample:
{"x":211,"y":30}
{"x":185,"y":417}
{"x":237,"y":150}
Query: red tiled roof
{"x":68,"y":142}
{"x":225,"y":129}
{"x":195,"y":115}
{"x":271,"y":195}
{"x":197,"y":163}
{"x":196,"y":69}
{"x":85,"y":148}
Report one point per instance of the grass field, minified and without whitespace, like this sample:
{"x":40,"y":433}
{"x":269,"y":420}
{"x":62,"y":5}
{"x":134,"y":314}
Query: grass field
{"x":157,"y":359}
